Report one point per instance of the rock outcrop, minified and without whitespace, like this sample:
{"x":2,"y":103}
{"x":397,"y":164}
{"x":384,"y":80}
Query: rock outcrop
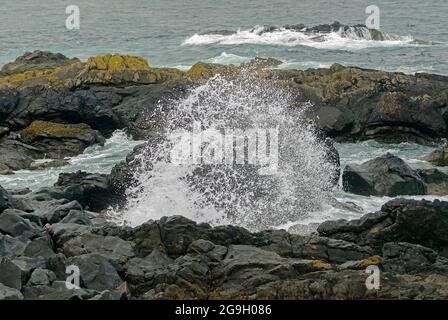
{"x":119,"y":91}
{"x":56,"y":141}
{"x":384,"y":176}
{"x":176,"y":258}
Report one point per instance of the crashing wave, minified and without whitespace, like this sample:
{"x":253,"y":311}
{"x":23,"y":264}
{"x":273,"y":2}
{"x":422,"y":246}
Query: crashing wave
{"x":245,"y":193}
{"x":326,"y":36}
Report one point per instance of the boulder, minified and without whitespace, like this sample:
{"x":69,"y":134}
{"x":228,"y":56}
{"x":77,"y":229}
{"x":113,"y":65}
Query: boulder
{"x":7,"y":293}
{"x":4,"y":200}
{"x":57,"y":291}
{"x":41,"y":247}
{"x":78,"y":217}
{"x":10,"y":247}
{"x":96,"y":272}
{"x":27,"y":265}
{"x":37,"y":60}
{"x":15,"y":155}
{"x":387,"y":175}
{"x":419,"y":222}
{"x":14,"y":225}
{"x":92,"y":191}
{"x":56,"y":140}
{"x":41,"y":277}
{"x":435,"y":180}
{"x":116,"y":250}
{"x":60,"y":212}
{"x":10,"y":274}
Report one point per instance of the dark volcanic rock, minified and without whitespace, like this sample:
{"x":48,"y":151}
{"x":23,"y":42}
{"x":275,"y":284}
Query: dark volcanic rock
{"x":36,"y":60}
{"x":419,"y":222}
{"x":14,"y":225}
{"x":7,"y":293}
{"x":384,"y":176}
{"x":56,"y":141}
{"x":96,"y":272}
{"x":436,"y":181}
{"x":4,"y":199}
{"x":93,"y":191}
{"x":15,"y":155}
{"x":10,"y":274}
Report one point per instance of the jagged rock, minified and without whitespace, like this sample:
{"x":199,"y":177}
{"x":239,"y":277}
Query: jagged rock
{"x":116,"y":250}
{"x":4,"y":200}
{"x":41,"y":277}
{"x":435,"y":180}
{"x":96,"y":272}
{"x":27,"y":265}
{"x":93,"y":191}
{"x":10,"y":274}
{"x":142,"y":272}
{"x":7,"y":293}
{"x":55,"y":140}
{"x":327,"y":249}
{"x":350,"y":284}
{"x":384,"y":176}
{"x":14,"y":225}
{"x":57,"y":291}
{"x":32,"y":217}
{"x":37,"y":60}
{"x":407,"y":258}
{"x":78,"y":217}
{"x":400,"y":220}
{"x":15,"y":155}
{"x":10,"y":246}
{"x":63,"y":232}
{"x":40,"y":247}
{"x":60,"y":212}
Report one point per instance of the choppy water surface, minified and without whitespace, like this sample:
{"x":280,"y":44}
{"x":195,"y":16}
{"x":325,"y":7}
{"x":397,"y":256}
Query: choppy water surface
{"x":180,"y":33}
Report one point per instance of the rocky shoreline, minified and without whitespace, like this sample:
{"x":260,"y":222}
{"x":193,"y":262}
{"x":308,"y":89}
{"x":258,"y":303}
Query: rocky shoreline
{"x":53,"y":107}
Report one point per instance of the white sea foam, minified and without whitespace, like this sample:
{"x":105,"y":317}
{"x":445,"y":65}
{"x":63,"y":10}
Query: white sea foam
{"x":232,"y":194}
{"x":350,"y":39}
{"x":229,"y":58}
{"x":95,"y":159}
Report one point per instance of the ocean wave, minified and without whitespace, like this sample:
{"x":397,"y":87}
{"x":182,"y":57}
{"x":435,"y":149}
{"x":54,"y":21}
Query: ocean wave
{"x":335,"y":36}
{"x":229,"y":58}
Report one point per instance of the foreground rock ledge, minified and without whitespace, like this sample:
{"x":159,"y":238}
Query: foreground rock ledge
{"x":176,"y":258}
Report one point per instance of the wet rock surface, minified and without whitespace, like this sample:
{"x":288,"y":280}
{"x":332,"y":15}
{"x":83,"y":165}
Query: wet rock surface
{"x":176,"y":258}
{"x":384,"y":176}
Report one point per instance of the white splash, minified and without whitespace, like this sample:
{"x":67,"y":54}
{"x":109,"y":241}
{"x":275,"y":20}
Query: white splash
{"x":353,"y":38}
{"x":235,"y":194}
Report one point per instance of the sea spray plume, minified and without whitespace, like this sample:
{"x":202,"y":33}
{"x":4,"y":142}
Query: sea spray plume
{"x":234,"y":193}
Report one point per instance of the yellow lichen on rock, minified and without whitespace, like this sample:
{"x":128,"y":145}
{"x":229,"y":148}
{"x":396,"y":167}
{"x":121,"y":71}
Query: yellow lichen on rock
{"x":321,"y":265}
{"x":204,"y":71}
{"x":117,"y":62}
{"x":370,"y":261}
{"x":50,"y":129}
